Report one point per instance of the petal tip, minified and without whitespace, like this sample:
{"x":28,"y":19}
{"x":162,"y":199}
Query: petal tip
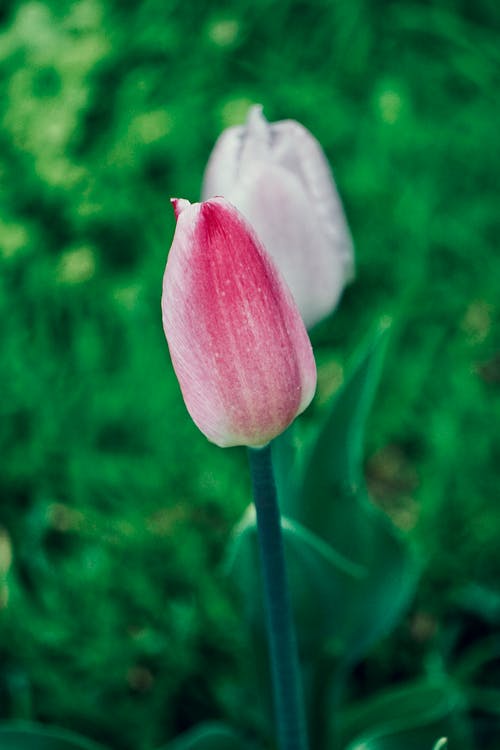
{"x":179,"y":204}
{"x":256,"y":123}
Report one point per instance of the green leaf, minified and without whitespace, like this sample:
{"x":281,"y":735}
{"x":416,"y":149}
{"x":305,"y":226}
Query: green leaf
{"x":482,"y":601}
{"x":210,"y":736}
{"x":373,"y":605}
{"x":351,"y":573}
{"x":420,"y":702}
{"x":482,"y":656}
{"x":319,"y":577}
{"x":412,"y":717}
{"x":486,"y":700}
{"x":413,"y":739}
{"x":286,"y":452}
{"x":336,"y":602}
{"x":334,"y":466}
{"x":27,"y":736}
{"x":333,"y":504}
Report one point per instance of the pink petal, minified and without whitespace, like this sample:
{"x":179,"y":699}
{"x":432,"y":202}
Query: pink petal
{"x":238,"y":344}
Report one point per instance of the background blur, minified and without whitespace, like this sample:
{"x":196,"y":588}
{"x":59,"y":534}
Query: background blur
{"x":115,"y":618}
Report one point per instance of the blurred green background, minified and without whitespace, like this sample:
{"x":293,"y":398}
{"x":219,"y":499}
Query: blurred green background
{"x":115,"y":617}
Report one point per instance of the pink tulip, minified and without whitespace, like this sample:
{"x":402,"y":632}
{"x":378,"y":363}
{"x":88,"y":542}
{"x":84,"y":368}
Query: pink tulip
{"x":277,"y":175}
{"x":236,"y":338}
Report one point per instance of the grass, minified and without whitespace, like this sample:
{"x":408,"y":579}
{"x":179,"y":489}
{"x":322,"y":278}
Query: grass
{"x":116,"y":620}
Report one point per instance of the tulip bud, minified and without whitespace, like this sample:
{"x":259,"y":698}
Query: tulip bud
{"x":277,"y":175}
{"x":236,"y":338}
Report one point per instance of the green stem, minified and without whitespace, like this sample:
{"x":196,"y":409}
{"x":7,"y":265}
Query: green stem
{"x":289,"y":707}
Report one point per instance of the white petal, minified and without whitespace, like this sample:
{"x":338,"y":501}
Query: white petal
{"x":294,"y":148}
{"x":222,"y":169}
{"x":284,"y":217}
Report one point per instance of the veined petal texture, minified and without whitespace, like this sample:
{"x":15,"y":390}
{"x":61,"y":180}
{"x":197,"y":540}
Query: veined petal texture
{"x":237,"y":341}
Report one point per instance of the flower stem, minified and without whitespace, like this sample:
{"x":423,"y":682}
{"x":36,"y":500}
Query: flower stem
{"x":289,"y":706}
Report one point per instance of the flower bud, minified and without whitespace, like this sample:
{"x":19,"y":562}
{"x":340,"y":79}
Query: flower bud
{"x":236,"y":338}
{"x":277,"y":175}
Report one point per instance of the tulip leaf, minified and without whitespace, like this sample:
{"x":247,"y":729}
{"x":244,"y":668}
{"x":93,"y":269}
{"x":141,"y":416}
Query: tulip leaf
{"x":320,"y":579}
{"x":332,"y":503}
{"x":286,"y":455}
{"x":28,"y":736}
{"x":335,"y":464}
{"x":337,"y":603}
{"x":480,"y":600}
{"x":374,"y":604}
{"x":483,"y":656}
{"x":477,"y":672}
{"x":412,"y":739}
{"x":484,"y":705}
{"x":486,"y":700}
{"x":412,"y":717}
{"x":209,"y":736}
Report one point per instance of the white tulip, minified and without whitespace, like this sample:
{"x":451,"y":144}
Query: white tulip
{"x":277,"y":175}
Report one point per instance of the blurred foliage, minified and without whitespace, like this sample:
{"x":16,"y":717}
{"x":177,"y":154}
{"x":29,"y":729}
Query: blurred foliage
{"x":115,"y":618}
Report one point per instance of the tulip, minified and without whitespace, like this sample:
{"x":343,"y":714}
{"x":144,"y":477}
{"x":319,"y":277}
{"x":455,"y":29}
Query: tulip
{"x":277,"y":175}
{"x":238,"y":344}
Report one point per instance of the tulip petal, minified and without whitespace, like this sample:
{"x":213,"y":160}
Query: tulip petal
{"x":279,"y":209}
{"x":258,"y":166}
{"x":222,"y":169}
{"x":238,"y":344}
{"x":297,"y":150}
